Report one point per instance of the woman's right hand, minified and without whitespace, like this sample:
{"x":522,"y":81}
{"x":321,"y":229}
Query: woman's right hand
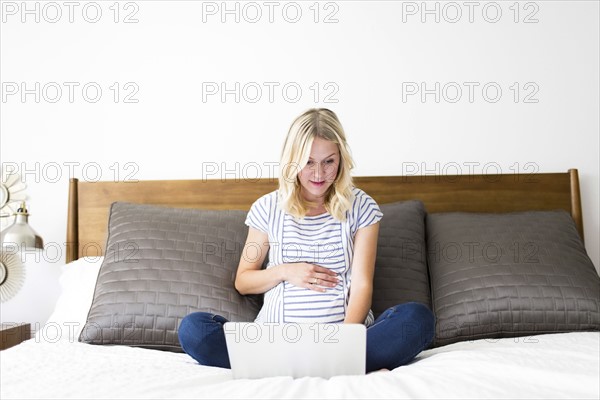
{"x":310,"y":276}
{"x":251,"y":279}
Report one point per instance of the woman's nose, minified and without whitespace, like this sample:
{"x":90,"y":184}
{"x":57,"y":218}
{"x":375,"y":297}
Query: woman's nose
{"x":318,"y":171}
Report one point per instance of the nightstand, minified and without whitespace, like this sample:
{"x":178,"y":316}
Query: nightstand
{"x":13,"y":334}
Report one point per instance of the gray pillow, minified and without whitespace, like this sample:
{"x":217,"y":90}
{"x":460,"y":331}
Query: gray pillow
{"x":401,"y":268}
{"x":508,"y":275}
{"x":162,"y":264}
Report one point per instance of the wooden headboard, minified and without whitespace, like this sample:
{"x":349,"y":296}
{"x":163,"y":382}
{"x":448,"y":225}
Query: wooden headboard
{"x":89,"y":202}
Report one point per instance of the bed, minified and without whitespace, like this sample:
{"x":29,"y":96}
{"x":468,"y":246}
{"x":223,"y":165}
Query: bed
{"x":518,"y":320}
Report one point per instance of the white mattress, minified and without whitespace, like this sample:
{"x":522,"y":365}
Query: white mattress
{"x":545,"y":366}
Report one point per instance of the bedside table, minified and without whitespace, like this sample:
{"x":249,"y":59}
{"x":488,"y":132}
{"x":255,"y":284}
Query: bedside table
{"x":12,"y":334}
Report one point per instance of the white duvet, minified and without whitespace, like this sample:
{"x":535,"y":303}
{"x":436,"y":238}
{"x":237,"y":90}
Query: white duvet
{"x":545,"y":366}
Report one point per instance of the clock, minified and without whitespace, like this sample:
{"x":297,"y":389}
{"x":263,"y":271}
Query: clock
{"x":12,"y":275}
{"x":12,"y":272}
{"x":12,"y":194}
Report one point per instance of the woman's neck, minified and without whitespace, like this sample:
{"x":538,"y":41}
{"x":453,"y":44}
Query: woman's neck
{"x":317,"y":210}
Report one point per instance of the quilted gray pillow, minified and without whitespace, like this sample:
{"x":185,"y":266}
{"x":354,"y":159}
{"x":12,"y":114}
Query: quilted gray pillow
{"x":162,"y":264}
{"x":401,"y":269}
{"x":508,"y":275}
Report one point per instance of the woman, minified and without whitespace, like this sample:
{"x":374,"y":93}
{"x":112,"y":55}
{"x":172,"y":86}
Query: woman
{"x":320,"y":233}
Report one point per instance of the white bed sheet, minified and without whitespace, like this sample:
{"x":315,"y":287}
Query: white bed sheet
{"x":544,"y":366}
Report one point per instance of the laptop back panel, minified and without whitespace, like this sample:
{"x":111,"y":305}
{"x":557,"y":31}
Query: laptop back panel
{"x":258,"y":350}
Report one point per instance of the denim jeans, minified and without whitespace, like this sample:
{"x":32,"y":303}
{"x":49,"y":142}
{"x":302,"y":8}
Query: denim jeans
{"x":395,"y":338}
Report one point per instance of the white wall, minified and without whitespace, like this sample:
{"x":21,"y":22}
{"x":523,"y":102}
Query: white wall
{"x":366,"y":61}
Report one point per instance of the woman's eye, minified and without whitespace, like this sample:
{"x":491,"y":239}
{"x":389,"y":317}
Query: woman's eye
{"x":330,"y":161}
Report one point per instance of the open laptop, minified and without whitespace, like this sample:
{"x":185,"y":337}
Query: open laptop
{"x":259,"y":350}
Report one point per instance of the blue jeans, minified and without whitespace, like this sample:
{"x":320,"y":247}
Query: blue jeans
{"x":395,"y":338}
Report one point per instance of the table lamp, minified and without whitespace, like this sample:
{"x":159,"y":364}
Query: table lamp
{"x":21,"y":235}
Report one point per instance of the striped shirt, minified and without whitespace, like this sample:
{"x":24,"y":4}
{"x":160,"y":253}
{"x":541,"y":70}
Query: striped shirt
{"x":319,"y":239}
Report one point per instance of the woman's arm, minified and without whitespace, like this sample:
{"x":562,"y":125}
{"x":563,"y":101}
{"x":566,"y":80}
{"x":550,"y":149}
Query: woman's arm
{"x":363,"y":268}
{"x":251,"y":279}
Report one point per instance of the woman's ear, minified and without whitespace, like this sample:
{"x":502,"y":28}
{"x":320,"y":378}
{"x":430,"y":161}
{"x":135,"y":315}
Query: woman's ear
{"x":340,"y":168}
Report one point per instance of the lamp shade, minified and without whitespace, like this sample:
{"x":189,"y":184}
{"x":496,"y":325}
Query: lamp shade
{"x":20,"y":233}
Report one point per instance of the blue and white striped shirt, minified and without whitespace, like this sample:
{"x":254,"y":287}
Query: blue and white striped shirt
{"x":319,"y":239}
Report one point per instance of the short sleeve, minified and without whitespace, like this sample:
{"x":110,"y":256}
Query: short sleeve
{"x":368,"y":211}
{"x":258,"y":216}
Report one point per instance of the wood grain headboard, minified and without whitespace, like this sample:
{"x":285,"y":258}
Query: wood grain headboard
{"x":89,"y":202}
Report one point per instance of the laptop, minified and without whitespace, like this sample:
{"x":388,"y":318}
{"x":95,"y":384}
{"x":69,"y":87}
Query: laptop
{"x":259,"y":350}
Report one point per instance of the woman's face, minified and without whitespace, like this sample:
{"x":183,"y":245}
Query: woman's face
{"x":320,"y":171}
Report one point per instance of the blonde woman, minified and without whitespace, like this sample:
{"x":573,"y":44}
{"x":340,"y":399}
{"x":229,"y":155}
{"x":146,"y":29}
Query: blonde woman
{"x":320,"y":234}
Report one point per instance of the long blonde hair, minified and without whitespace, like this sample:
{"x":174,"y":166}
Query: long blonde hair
{"x":324,"y":124}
